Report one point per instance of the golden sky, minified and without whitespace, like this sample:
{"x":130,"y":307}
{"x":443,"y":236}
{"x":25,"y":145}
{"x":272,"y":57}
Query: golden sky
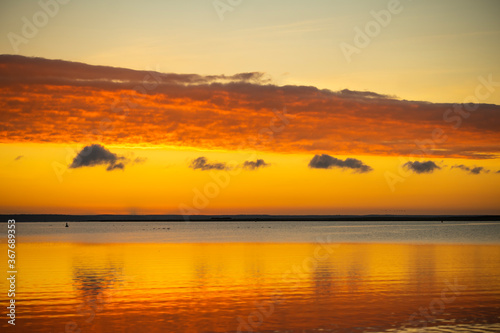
{"x":258,"y":109}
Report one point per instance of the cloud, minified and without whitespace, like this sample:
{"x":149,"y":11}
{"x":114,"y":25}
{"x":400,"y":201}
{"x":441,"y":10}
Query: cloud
{"x":43,"y":70}
{"x":67,"y":102}
{"x":325,"y":161}
{"x":96,"y":154}
{"x":252,"y":165}
{"x":201,"y":163}
{"x":361,"y":94}
{"x":18,"y":157}
{"x":473,"y":171}
{"x":421,"y":167}
{"x":116,"y":166}
{"x":139,"y":160}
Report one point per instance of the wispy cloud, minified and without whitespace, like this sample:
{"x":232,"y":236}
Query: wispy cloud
{"x":471,"y":170}
{"x":422,"y":167}
{"x":253,"y":165}
{"x":139,"y":160}
{"x":201,"y":163}
{"x":325,"y":161}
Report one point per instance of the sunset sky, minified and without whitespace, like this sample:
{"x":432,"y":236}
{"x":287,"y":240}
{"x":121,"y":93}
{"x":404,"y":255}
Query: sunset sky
{"x":248,"y":107}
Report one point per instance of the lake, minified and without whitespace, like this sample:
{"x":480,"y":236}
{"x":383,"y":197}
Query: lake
{"x":256,"y":277}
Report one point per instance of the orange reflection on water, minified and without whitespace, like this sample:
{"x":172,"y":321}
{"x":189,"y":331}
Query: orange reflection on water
{"x":226,"y":287}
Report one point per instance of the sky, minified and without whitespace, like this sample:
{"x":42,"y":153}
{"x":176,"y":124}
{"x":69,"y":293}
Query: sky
{"x":250,"y":107}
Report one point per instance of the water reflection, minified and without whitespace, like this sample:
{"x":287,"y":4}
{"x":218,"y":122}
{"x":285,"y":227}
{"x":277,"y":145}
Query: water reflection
{"x":91,"y":282}
{"x":254,"y":287}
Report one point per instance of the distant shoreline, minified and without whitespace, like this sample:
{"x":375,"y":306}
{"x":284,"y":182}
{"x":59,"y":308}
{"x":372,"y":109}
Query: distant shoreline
{"x":235,"y":218}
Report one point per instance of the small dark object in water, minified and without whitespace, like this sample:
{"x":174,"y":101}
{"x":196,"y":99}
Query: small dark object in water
{"x":67,"y":225}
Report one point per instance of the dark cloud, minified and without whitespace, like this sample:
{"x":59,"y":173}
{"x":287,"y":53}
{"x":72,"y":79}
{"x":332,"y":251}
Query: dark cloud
{"x":45,"y":70}
{"x":325,"y":161}
{"x":201,"y":164}
{"x":252,"y":165}
{"x":18,"y":157}
{"x":98,"y":155}
{"x":473,"y":171}
{"x":116,"y":166}
{"x":422,"y":167}
{"x":478,"y":170}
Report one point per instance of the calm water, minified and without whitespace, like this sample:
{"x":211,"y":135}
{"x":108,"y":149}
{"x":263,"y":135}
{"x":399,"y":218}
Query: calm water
{"x":269,"y":232}
{"x":256,"y":277}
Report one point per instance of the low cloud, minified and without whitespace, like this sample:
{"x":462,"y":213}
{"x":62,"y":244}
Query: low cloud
{"x":421,"y":167}
{"x":325,"y":161}
{"x":201,"y":164}
{"x":96,"y":154}
{"x":252,"y":165}
{"x":473,"y":171}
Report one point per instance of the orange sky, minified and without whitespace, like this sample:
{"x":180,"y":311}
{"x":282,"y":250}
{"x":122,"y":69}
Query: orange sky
{"x":159,"y":143}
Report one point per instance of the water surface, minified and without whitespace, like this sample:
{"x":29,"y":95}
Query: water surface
{"x":271,"y":232}
{"x":257,"y":277}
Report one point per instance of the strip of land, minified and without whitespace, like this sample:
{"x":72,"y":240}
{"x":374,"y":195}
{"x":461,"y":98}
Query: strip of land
{"x":205,"y":218}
